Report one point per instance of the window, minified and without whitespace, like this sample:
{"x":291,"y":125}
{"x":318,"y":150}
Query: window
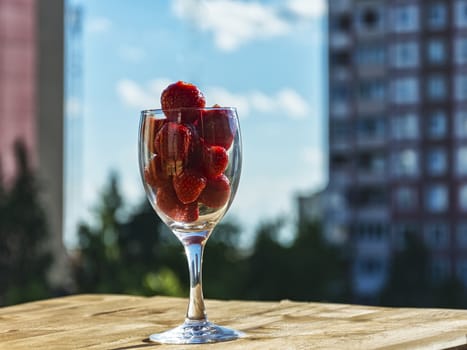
{"x":437,"y":235}
{"x":372,"y":90}
{"x":440,"y":269}
{"x":405,"y":198}
{"x":405,"y":55}
{"x":460,"y":13}
{"x":370,"y":267}
{"x":371,"y":162}
{"x":369,"y":18}
{"x":405,"y":163}
{"x":436,"y":198}
{"x":371,"y":55}
{"x":460,"y":50}
{"x":437,"y":16}
{"x":339,"y":161}
{"x":369,"y":196}
{"x":340,"y":58}
{"x":341,"y":23}
{"x":405,"y":18}
{"x":405,"y":127}
{"x":340,"y":131}
{"x":461,"y":160}
{"x":463,"y":197}
{"x":461,"y":124}
{"x":460,"y":87}
{"x":405,"y":90}
{"x":340,"y":94}
{"x":436,"y":161}
{"x":437,"y":125}
{"x":462,"y":271}
{"x":370,"y":128}
{"x":461,"y":235}
{"x":436,"y":51}
{"x":436,"y":87}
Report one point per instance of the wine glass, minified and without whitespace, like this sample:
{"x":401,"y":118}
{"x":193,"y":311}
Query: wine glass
{"x":190,"y":163}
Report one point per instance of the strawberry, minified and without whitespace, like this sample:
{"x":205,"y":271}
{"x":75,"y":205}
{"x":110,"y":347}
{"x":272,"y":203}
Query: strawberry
{"x":187,"y":212}
{"x":172,"y":142}
{"x":154,"y":173}
{"x":168,"y":202}
{"x":179,"y":96}
{"x":188,"y":185}
{"x":215,"y":161}
{"x":150,"y":129}
{"x":217,"y":192}
{"x":217,"y":127}
{"x":195,"y":153}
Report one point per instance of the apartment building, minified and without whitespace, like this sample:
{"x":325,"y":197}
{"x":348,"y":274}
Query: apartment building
{"x":31,"y":103}
{"x":398,"y":133}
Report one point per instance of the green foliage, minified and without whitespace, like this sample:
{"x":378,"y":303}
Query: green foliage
{"x":309,"y":269}
{"x":24,"y":259}
{"x":140,"y":256}
{"x":123,"y":256}
{"x":410,"y":283}
{"x":409,"y":278}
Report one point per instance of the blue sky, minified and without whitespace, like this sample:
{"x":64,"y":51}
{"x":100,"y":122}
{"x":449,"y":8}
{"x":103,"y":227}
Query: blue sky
{"x":267,"y":58}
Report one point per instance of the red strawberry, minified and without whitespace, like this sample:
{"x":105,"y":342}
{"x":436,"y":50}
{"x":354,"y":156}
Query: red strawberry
{"x":150,"y":128}
{"x":178,"y":96}
{"x":187,"y":212}
{"x":215,"y":161}
{"x":188,"y":185}
{"x":154,"y":173}
{"x":217,"y":127}
{"x":168,"y":202}
{"x":217,"y":192}
{"x":172,"y":142}
{"x":195,"y":153}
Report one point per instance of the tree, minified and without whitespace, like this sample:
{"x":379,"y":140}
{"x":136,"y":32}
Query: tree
{"x":24,"y":232}
{"x":123,"y":255}
{"x":225,"y":268}
{"x":308,"y":269}
{"x":409,"y":282}
{"x":319,"y":268}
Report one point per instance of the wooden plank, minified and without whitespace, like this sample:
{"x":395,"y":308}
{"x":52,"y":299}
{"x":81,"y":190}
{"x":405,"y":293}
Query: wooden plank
{"x":122,"y":322}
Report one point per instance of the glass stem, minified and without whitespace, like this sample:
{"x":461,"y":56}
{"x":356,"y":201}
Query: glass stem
{"x":194,"y":252}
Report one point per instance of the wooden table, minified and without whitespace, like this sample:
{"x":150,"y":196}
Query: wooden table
{"x":121,"y":322}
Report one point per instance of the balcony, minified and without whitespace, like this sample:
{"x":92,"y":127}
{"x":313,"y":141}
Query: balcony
{"x":369,"y":177}
{"x":375,"y":212}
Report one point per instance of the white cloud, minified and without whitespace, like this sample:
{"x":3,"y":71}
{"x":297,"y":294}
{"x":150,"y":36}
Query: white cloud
{"x":223,"y":97}
{"x":307,"y":8}
{"x":313,"y":156}
{"x":134,"y":95}
{"x":234,"y":23}
{"x":286,"y":101}
{"x":292,"y":103}
{"x":98,"y":25}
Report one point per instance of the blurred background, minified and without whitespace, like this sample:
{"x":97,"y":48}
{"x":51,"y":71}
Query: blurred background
{"x":354,"y":124}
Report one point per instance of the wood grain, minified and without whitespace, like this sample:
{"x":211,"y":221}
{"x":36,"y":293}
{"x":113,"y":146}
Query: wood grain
{"x":119,"y":322}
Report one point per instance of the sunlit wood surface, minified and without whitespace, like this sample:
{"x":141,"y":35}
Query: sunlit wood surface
{"x":122,"y":322}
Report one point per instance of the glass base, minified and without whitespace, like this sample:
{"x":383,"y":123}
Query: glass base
{"x":196,"y":333}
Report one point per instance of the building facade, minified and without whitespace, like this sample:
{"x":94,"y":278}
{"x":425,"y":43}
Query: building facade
{"x":398,"y":133}
{"x":31,"y":103}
